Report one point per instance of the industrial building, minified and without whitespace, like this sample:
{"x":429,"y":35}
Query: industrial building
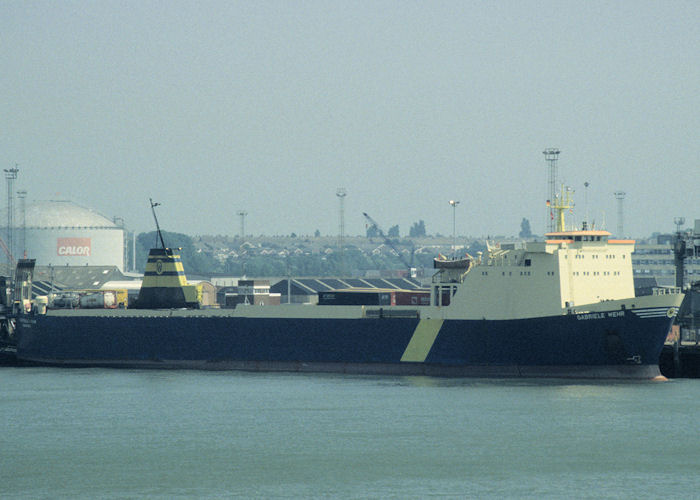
{"x":655,"y":259}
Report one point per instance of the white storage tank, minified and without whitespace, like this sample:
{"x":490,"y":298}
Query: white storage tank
{"x":99,"y":300}
{"x":60,"y":233}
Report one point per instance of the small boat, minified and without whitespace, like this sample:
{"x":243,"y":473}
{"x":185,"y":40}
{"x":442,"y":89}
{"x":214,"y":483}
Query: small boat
{"x":442,"y":262}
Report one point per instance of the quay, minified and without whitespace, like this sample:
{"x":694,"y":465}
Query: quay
{"x":680,"y":356}
{"x":680,"y":361}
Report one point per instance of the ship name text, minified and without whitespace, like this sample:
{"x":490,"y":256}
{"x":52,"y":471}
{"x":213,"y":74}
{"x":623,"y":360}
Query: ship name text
{"x":601,"y":315}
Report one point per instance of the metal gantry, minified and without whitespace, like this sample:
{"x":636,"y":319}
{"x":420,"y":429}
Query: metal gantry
{"x":22,"y":195}
{"x":454,"y":204}
{"x":551,"y":155}
{"x":10,"y":177}
{"x":620,"y":197}
{"x":341,"y":194}
{"x":242,"y":214}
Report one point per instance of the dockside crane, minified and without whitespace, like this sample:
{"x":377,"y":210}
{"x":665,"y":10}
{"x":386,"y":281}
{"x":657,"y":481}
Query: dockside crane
{"x":7,"y":251}
{"x":387,"y":241}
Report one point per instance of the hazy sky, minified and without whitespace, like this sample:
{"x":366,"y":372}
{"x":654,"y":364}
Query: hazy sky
{"x":266,"y":106}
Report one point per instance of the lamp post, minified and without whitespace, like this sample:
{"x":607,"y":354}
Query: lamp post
{"x":454,"y":204}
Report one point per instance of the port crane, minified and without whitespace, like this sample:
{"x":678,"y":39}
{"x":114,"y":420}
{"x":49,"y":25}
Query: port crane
{"x":387,"y":241}
{"x":7,"y":251}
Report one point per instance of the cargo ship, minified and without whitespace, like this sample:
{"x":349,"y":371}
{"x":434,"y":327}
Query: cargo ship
{"x":562,"y":307}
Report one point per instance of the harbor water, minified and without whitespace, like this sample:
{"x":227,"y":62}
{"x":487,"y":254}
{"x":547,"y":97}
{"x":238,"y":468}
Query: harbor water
{"x":100,"y":433}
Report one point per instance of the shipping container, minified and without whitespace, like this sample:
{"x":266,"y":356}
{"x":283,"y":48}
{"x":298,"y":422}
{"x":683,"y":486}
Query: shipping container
{"x":354,"y":298}
{"x":412,"y":297}
{"x":379,"y":297}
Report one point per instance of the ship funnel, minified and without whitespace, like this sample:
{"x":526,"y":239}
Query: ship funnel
{"x":164,"y":283}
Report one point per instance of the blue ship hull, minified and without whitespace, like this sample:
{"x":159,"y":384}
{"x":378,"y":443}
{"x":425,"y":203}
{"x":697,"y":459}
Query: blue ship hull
{"x":610,"y":344}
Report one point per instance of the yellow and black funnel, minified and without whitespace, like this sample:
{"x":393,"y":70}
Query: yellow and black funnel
{"x":164,"y":283}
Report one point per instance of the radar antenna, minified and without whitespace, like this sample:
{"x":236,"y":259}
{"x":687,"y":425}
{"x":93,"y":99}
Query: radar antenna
{"x":159,"y":236}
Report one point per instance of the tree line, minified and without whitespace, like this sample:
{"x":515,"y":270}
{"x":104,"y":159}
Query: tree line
{"x":249,"y":262}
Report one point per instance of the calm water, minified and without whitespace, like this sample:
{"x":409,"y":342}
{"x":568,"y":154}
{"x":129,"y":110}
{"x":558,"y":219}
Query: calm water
{"x":94,"y":433}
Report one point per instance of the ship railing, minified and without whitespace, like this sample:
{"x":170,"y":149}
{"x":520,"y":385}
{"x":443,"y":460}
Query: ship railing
{"x":665,"y":290}
{"x":447,"y":275}
{"x":392,"y":313}
{"x":448,"y":278}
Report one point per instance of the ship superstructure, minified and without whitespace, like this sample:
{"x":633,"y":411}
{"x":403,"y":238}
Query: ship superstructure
{"x":570,"y":271}
{"x":573,"y":270}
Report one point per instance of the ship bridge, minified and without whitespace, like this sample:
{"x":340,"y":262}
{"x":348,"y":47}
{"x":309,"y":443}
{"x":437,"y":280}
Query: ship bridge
{"x":575,"y":236}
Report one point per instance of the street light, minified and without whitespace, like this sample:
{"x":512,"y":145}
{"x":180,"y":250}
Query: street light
{"x":454,"y":204}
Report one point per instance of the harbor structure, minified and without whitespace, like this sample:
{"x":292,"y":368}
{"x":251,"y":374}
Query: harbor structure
{"x":655,"y":258}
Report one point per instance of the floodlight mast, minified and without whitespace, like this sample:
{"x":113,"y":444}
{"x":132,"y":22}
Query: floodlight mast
{"x":159,"y":236}
{"x":454,"y":204}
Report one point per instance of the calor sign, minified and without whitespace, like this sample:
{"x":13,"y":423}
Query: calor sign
{"x":73,"y":247}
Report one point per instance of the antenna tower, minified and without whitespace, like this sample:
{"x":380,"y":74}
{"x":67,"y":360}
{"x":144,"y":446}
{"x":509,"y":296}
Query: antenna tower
{"x":10,"y":176}
{"x":551,"y":155}
{"x":585,"y":220}
{"x":242,"y":214}
{"x":22,"y":195}
{"x":341,"y":194}
{"x":620,"y":197}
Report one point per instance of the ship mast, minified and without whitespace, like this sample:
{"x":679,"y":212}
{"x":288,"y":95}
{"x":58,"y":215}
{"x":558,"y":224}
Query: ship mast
{"x":159,"y":236}
{"x":562,"y":202}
